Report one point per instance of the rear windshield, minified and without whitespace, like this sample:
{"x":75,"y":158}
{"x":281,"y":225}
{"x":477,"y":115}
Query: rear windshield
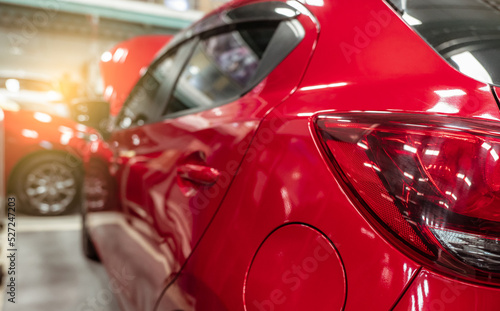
{"x":465,"y":32}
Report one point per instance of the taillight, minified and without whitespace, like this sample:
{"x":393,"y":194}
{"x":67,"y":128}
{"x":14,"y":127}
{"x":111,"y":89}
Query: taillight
{"x":431,"y":181}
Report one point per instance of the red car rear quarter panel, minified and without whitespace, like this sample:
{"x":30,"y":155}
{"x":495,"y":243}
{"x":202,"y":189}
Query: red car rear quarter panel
{"x":433,"y":292}
{"x":296,"y":268}
{"x":288,"y":182}
{"x":367,"y":59}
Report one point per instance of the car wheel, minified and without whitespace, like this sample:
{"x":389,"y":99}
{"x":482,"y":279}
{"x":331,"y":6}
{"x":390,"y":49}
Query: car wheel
{"x":47,"y":184}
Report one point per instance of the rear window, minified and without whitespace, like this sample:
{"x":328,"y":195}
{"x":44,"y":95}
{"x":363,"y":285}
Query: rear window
{"x":221,"y":68}
{"x":465,"y":32}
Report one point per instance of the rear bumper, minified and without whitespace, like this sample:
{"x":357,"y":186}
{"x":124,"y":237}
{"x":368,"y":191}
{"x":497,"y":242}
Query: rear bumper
{"x":432,"y":292}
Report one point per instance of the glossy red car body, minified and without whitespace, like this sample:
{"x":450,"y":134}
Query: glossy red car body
{"x":238,"y":208}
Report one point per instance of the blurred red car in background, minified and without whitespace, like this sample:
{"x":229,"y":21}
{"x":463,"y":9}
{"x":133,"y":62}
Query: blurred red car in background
{"x":43,"y":160}
{"x":315,"y":155}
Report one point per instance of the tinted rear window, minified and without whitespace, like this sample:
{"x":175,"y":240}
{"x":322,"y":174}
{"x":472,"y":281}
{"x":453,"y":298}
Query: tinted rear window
{"x":221,"y":68}
{"x":465,"y":32}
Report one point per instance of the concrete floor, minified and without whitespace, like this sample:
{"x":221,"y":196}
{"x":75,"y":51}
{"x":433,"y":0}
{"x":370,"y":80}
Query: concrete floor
{"x":52,"y":272}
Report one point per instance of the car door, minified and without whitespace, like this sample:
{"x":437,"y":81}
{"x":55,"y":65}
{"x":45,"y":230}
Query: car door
{"x":176,"y":157}
{"x":125,"y":237}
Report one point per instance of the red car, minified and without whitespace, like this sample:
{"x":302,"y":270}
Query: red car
{"x":43,"y":148}
{"x":314,"y":155}
{"x":43,"y":160}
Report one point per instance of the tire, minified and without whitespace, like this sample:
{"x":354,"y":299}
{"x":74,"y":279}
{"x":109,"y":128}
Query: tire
{"x":88,"y":247}
{"x":47,"y":184}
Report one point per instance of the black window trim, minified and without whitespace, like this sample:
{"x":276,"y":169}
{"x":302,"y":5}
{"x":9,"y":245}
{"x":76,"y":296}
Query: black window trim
{"x":272,"y":57}
{"x":203,"y":31}
{"x":222,"y":19}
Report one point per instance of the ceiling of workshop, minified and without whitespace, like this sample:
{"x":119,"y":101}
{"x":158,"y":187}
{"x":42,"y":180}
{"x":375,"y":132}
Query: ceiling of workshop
{"x":54,"y":40}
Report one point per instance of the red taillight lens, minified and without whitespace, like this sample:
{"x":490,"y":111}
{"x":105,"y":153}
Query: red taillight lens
{"x":432,"y":181}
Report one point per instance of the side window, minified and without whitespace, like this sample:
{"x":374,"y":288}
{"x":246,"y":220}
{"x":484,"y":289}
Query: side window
{"x":140,"y":105}
{"x":222,"y":67}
